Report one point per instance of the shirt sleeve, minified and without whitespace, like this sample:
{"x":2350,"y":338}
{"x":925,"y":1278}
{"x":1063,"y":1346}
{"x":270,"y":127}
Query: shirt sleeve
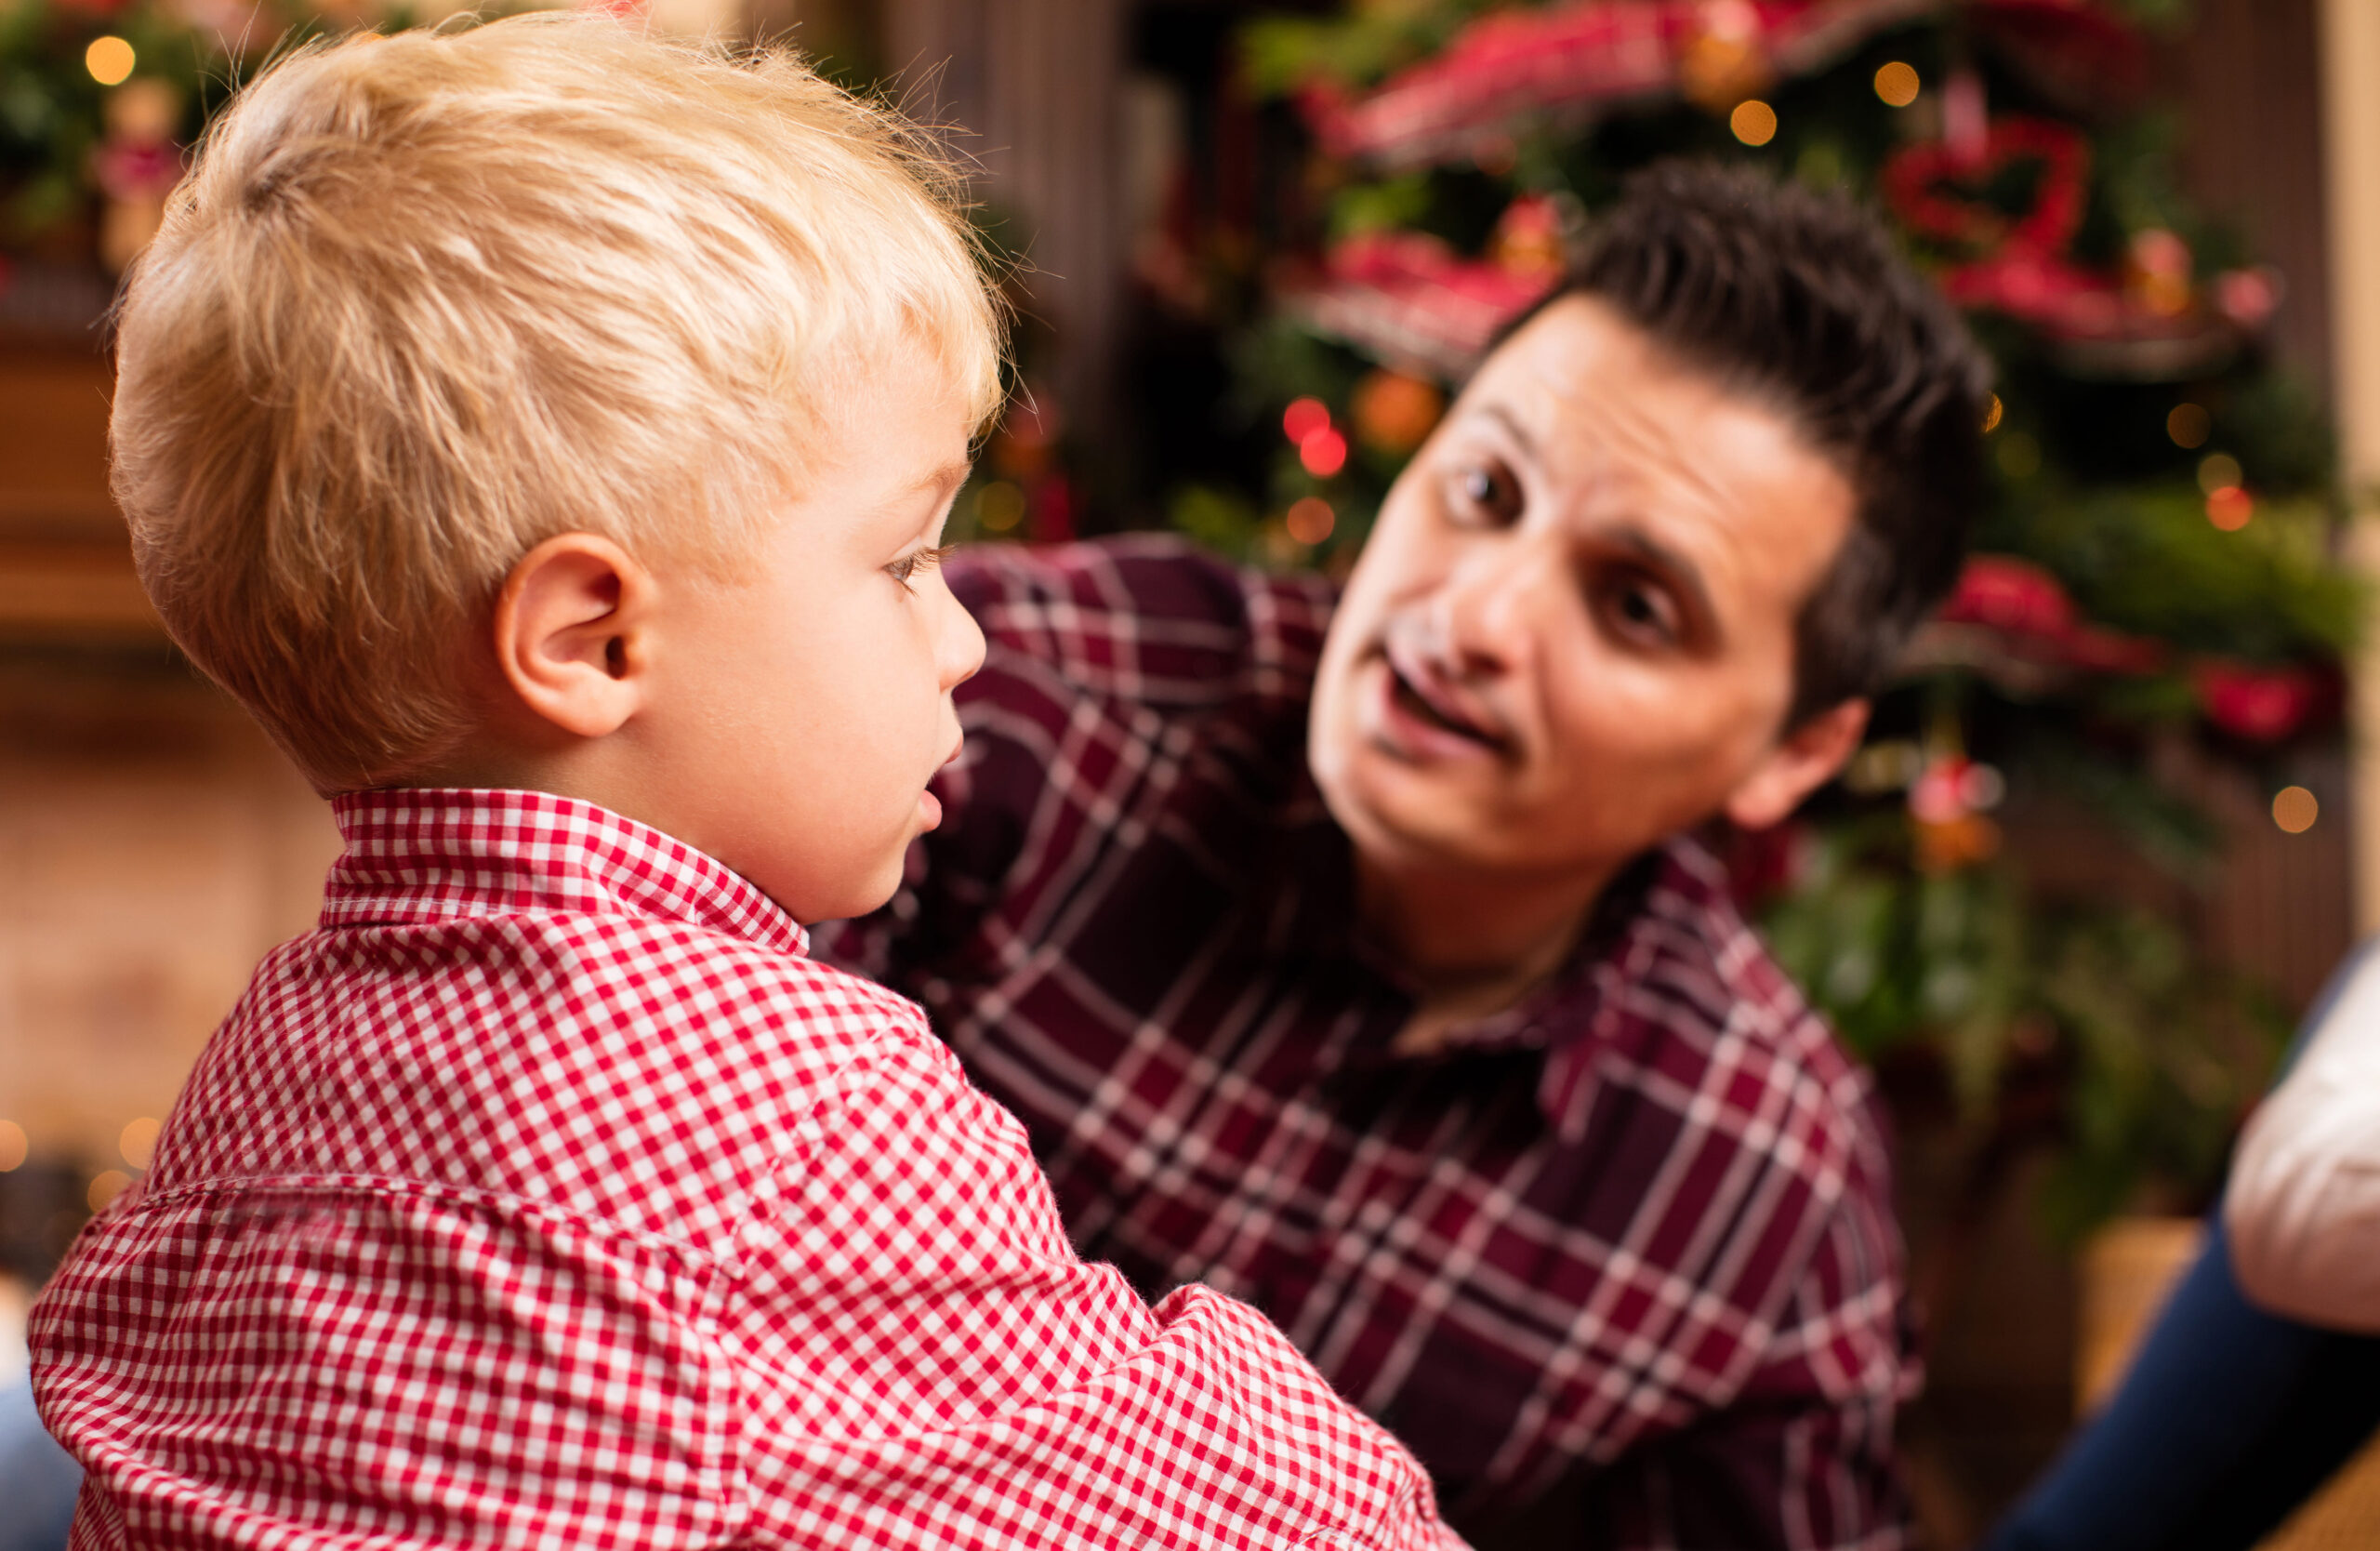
{"x":342,"y":1361}
{"x":929,"y":1362}
{"x":1095,"y":654}
{"x":2303,"y":1208}
{"x":1803,"y":1460}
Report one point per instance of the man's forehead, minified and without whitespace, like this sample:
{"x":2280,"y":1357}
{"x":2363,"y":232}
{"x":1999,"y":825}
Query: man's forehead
{"x":1624,"y":431}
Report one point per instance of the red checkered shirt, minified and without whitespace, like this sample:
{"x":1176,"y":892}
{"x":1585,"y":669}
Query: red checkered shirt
{"x":1623,"y":1257}
{"x":548,"y":1195}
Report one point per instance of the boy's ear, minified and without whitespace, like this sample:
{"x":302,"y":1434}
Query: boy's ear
{"x":570,"y":628}
{"x":1800,"y":764}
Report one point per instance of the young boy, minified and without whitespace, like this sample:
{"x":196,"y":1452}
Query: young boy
{"x":546,"y":433}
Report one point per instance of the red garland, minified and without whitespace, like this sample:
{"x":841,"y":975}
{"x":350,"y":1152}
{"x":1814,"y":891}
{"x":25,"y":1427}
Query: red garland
{"x":2035,"y":621}
{"x":1513,"y":67}
{"x":1914,"y":183}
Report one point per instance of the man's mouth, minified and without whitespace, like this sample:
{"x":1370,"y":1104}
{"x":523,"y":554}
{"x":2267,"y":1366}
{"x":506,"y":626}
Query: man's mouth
{"x":1414,"y":692}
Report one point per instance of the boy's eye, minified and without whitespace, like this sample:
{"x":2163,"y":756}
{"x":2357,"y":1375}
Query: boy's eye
{"x":905,"y":568}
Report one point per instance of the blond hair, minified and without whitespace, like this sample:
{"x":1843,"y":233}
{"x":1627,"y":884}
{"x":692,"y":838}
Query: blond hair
{"x":426,"y":300}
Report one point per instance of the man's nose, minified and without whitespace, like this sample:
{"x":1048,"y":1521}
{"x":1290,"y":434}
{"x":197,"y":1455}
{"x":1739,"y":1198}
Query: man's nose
{"x":1483,"y":614}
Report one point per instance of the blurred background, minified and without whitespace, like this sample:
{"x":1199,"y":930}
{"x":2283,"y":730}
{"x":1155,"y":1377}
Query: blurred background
{"x":2101,"y":847}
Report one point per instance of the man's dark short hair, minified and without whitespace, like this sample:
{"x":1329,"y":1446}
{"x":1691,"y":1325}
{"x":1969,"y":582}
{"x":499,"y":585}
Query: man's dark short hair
{"x":1798,"y":298}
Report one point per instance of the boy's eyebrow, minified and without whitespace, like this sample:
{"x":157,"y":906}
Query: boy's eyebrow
{"x":950,"y":476}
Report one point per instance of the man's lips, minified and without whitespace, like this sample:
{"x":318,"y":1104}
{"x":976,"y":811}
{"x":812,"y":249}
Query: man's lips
{"x":1418,"y":690}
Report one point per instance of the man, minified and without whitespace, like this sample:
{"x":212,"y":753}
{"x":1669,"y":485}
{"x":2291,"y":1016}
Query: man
{"x":1354,"y":957}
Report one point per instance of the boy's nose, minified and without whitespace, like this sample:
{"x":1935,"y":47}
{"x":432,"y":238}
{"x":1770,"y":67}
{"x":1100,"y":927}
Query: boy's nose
{"x":959,"y":646}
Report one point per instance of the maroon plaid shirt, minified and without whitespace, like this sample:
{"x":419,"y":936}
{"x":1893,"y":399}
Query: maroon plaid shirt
{"x":1633,"y":1237}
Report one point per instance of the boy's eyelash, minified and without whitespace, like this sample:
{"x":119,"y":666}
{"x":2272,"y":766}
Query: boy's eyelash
{"x":909,"y":565}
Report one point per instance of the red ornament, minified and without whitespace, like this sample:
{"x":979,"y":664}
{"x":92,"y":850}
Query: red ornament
{"x":2013,"y":595}
{"x":2263,"y":705}
{"x":2036,"y":621}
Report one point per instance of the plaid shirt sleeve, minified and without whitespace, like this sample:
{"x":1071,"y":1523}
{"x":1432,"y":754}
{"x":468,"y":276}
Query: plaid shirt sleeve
{"x":1143,"y":621}
{"x":1801,"y":1456}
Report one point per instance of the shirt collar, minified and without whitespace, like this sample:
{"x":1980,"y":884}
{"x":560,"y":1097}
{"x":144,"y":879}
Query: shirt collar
{"x":1562,"y":1024}
{"x":416,"y":855}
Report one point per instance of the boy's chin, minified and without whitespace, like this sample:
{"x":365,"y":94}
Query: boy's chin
{"x":844,"y":899}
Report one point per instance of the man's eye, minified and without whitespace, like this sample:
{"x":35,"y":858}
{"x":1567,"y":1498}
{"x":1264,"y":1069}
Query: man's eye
{"x":1641,"y":610}
{"x":1486,"y":493}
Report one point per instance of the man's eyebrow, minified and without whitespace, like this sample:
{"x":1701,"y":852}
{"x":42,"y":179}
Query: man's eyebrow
{"x":1513,"y":427}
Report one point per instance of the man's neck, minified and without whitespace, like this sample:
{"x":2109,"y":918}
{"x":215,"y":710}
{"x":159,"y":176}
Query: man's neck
{"x":1473,"y":943}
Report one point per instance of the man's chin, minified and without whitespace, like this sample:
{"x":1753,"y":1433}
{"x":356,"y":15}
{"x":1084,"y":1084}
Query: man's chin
{"x":1401,"y":814}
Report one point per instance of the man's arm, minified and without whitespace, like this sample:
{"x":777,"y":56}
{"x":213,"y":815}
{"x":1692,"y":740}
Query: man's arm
{"x":1086,"y":646}
{"x":2303,"y":1208}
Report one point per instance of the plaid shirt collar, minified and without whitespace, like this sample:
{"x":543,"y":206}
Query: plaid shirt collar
{"x":419,"y":854}
{"x":1314,"y":871}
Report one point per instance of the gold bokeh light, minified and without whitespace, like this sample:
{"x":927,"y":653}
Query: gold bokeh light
{"x":109,"y":59}
{"x":2294,"y":810}
{"x":1753,"y":120}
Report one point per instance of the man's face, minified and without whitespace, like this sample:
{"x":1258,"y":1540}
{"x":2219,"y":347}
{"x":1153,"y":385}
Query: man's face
{"x":808,"y":700}
{"x":1571,"y":633}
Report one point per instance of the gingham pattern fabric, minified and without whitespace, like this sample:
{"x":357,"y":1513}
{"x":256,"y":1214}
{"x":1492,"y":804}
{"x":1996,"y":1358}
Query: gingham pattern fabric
{"x":1625,"y":1253}
{"x":547,"y":1196}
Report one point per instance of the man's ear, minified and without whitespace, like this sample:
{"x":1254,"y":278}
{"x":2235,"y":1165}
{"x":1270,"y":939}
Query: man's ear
{"x":1800,"y":764}
{"x":572,"y":628}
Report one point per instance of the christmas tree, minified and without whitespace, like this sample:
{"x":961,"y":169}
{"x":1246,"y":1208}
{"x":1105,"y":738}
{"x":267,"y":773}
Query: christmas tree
{"x":2156,"y":587}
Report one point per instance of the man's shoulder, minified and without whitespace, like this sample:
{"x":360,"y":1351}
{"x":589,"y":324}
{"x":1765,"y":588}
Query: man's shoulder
{"x":1146,"y":617}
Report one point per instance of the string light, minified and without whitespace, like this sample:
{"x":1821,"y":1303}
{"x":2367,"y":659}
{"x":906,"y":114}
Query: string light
{"x":2189,"y":425}
{"x":1324,"y":452}
{"x":109,"y":60}
{"x":1303,"y":418}
{"x":1753,"y":120}
{"x":1310,"y":521}
{"x":1991,"y":416}
{"x":999,"y":505}
{"x":12,"y":1146}
{"x":2294,"y":810}
{"x":1897,"y":83}
{"x":106,"y":1186}
{"x":2229,"y":507}
{"x":2218,"y":470}
{"x":138,"y":1142}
